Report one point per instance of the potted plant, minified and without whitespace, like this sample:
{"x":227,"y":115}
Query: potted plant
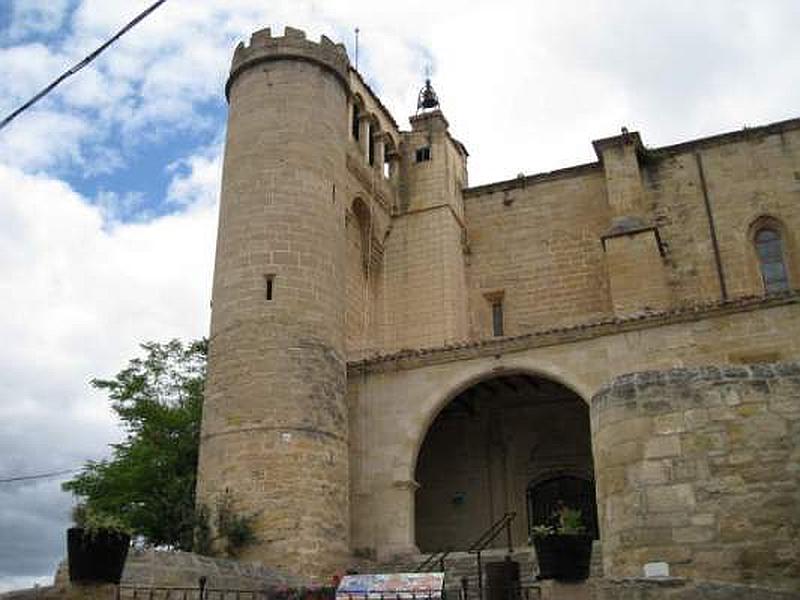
{"x":563,"y":548}
{"x":97,"y":546}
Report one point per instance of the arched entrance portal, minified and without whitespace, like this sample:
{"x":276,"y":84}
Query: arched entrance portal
{"x":511,"y":443}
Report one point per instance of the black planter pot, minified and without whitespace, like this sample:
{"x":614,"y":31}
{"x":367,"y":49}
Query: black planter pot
{"x":564,"y":557}
{"x":99,"y":557}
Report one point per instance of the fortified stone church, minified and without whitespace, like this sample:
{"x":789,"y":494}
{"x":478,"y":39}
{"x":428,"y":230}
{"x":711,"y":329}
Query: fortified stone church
{"x":398,"y":360}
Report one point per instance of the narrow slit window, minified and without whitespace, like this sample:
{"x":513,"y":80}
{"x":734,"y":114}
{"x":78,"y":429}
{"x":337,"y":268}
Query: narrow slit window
{"x":769,"y":247}
{"x":354,"y":124}
{"x":269,"y":281}
{"x":497,"y":318}
{"x":423,"y":154}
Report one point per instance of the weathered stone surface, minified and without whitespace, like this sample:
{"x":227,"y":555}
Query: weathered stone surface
{"x":183,"y":569}
{"x":275,"y":420}
{"x":601,"y":269}
{"x":726,"y":497}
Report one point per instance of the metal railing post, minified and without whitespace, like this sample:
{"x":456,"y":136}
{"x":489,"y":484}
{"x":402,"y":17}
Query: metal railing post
{"x":508,"y":536}
{"x":480,"y":577}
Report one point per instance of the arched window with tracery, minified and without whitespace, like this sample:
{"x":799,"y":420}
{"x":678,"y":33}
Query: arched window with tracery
{"x":769,"y":246}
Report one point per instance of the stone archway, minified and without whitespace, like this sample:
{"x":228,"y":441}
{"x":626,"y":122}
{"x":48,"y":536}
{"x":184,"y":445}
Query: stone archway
{"x":484,"y":448}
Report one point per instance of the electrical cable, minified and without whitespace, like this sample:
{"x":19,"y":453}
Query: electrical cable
{"x":80,"y":65}
{"x":39,"y":476}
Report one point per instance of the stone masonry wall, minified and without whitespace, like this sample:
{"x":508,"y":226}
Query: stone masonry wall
{"x":274,"y":427}
{"x":755,"y":175}
{"x":700,"y":468}
{"x":160,"y":568}
{"x":540,"y":247}
{"x":393,"y":401}
{"x":538,"y":238}
{"x":148,"y":568}
{"x":184,"y":569}
{"x":424,"y":277}
{"x":635,"y":273}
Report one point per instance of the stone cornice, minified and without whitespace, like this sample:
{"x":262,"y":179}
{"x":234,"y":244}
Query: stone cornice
{"x":646,"y":154}
{"x":747,"y":133}
{"x":411,"y":359}
{"x":524,"y":181}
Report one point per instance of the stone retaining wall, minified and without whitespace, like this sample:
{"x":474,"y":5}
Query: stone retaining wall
{"x":157,"y":568}
{"x":677,"y":589}
{"x":700,"y":468}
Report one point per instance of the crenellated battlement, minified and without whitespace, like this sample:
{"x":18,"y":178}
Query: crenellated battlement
{"x":292,"y":45}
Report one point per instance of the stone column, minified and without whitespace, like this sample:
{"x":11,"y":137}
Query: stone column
{"x":397,"y":537}
{"x":379,"y":140}
{"x":364,"y":132}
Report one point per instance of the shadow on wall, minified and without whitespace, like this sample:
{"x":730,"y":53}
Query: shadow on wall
{"x":511,"y":443}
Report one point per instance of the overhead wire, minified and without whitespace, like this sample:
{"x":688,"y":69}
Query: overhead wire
{"x":44,"y":92}
{"x":80,"y":65}
{"x":39,"y":475}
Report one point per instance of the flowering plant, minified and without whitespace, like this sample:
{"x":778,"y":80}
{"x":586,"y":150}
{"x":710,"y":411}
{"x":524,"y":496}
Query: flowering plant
{"x":564,"y":521}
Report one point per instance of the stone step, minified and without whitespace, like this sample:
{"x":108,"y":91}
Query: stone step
{"x":463,"y":565}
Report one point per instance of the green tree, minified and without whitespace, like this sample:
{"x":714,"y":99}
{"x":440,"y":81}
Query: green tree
{"x":149,"y":482}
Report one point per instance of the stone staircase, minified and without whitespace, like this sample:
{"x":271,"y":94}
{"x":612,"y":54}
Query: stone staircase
{"x":462,"y":566}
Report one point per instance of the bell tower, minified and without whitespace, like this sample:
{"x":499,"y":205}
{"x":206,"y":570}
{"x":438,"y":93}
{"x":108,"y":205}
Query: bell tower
{"x":274,"y":430}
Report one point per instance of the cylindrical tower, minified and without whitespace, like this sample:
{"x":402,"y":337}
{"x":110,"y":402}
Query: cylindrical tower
{"x":274,"y":430}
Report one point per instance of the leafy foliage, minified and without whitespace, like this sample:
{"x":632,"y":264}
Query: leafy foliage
{"x":234,"y":531}
{"x":93,"y":522}
{"x":149,"y":483}
{"x":564,"y":521}
{"x":571,"y":521}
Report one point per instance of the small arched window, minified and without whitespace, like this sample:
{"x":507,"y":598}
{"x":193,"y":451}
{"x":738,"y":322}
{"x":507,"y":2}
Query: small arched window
{"x":769,"y":248}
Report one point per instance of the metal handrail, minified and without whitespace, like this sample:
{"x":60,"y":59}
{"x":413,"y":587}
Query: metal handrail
{"x":490,"y":534}
{"x":436,"y":557}
{"x":487,"y":538}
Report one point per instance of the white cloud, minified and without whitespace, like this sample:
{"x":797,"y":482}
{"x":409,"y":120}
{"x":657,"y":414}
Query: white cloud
{"x":196,"y":178}
{"x":78,"y":298}
{"x":533,"y":82}
{"x":36,"y":17}
{"x":24,"y":68}
{"x":44,"y":139}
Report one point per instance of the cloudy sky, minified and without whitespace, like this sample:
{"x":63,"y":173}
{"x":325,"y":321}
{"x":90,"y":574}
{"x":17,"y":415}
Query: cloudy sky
{"x":108,"y":189}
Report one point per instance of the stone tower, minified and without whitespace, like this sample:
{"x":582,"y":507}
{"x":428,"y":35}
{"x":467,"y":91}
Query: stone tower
{"x":275,"y":430}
